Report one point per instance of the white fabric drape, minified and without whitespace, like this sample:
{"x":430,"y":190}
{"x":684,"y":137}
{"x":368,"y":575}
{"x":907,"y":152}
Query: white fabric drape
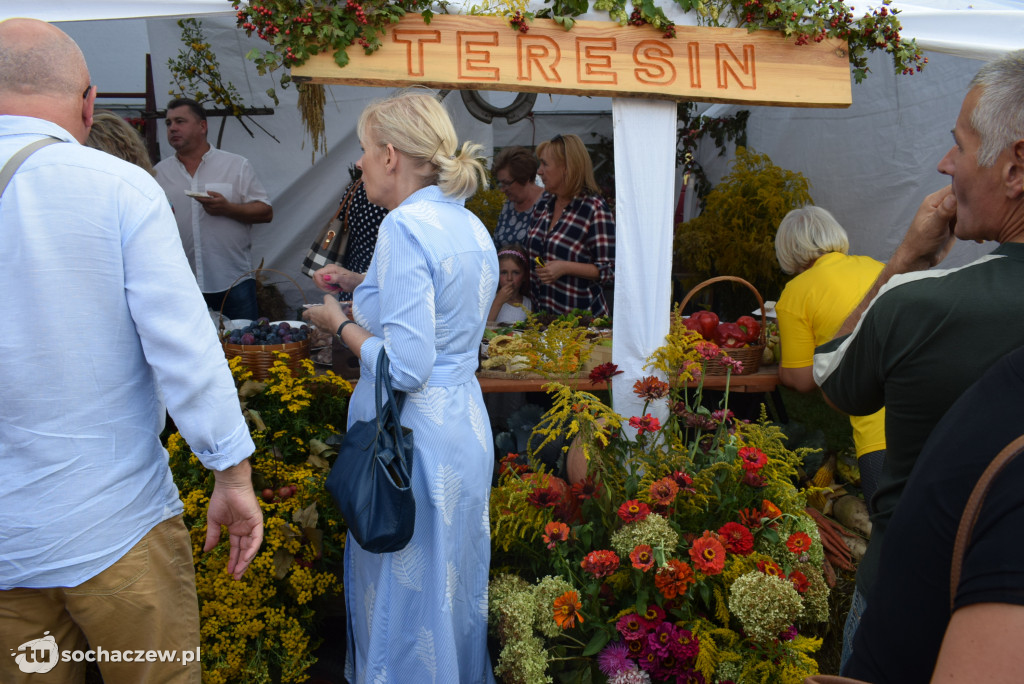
{"x":645,"y":162}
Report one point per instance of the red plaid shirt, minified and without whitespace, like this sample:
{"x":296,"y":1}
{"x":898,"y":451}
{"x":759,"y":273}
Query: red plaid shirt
{"x":585,"y":233}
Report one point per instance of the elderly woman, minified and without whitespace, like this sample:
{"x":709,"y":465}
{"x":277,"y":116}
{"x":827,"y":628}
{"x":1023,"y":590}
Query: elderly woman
{"x":424,"y":300}
{"x":829,"y":283}
{"x":515,"y":172}
{"x":572,"y":240}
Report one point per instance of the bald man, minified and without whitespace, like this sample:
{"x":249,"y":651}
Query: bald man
{"x":106,"y":328}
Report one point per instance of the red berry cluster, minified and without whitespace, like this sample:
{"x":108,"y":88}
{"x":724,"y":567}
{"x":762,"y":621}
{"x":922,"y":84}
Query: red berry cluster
{"x":670,"y":32}
{"x":358,"y":9}
{"x":637,"y":18}
{"x":518,"y":22}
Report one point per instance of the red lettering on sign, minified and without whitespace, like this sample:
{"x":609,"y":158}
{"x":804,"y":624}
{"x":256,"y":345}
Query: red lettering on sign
{"x":538,"y":52}
{"x":726,"y":62}
{"x":415,"y":39}
{"x":472,"y":59}
{"x":594,"y":60}
{"x":652,"y":60}
{"x":693,"y":50}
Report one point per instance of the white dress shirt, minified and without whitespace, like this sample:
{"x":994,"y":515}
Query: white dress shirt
{"x":105,"y":326}
{"x":219,"y":248}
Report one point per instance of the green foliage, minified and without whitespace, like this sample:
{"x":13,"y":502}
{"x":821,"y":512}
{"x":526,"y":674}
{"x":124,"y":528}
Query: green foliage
{"x":486,"y":204}
{"x":694,"y":128}
{"x":736,"y":233}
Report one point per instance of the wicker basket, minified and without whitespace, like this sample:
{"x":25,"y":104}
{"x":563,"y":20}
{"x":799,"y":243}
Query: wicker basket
{"x":260,"y":357}
{"x":750,"y":356}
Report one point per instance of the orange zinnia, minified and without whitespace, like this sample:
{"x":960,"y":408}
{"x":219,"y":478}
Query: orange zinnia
{"x":673,"y":579}
{"x":708,"y":554}
{"x":567,"y":610}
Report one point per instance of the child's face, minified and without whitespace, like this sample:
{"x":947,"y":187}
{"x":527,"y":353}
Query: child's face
{"x":511,"y":272}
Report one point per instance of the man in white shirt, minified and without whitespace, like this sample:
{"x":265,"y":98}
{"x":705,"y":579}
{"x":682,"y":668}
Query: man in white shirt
{"x":111,"y":329}
{"x":216,"y":198}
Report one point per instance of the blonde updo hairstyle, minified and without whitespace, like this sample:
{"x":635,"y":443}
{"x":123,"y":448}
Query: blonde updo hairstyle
{"x":416,"y":124}
{"x":806,"y":234}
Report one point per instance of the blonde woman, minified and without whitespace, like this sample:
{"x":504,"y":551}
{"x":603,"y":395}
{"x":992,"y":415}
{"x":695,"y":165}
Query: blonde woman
{"x":571,"y":243}
{"x":420,"y":614}
{"x":113,"y":135}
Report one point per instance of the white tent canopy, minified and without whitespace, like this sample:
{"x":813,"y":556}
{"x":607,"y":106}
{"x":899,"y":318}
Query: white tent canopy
{"x":870,"y":164}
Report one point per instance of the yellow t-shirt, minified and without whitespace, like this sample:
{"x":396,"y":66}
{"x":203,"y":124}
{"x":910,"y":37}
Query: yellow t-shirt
{"x":812,"y":307}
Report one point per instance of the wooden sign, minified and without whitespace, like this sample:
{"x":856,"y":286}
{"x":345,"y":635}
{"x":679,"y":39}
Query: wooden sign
{"x":597,"y":58}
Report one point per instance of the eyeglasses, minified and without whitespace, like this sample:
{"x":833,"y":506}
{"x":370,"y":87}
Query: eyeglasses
{"x":558,"y":138}
{"x":88,"y":89}
{"x":504,"y":184}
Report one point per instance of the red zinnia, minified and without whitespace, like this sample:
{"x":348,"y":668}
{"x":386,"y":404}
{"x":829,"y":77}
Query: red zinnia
{"x":673,"y":579}
{"x":642,"y":557}
{"x":567,"y":610}
{"x":737,"y":538}
{"x":798,"y":542}
{"x":604,"y":373}
{"x":634,"y":511}
{"x":600,"y":563}
{"x":751,"y":518}
{"x":555,"y":532}
{"x":587,"y":489}
{"x":650,"y":388}
{"x":708,"y":554}
{"x":752,"y":459}
{"x":545,"y":497}
{"x":799,"y":581}
{"x":647,"y":423}
{"x":770,"y":568}
{"x":664,"y":491}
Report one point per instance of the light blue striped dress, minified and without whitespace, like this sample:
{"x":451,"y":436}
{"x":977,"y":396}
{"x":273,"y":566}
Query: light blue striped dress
{"x":420,"y":614}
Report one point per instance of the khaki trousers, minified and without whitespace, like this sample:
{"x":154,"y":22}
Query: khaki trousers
{"x":145,"y":602}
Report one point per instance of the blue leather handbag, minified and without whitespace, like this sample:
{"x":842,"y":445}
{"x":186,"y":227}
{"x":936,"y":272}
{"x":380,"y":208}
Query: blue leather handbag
{"x":371,"y":479}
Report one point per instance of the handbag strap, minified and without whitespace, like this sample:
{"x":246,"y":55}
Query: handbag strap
{"x":347,"y":200}
{"x":12,"y":165}
{"x":973,"y":509}
{"x":390,"y":407}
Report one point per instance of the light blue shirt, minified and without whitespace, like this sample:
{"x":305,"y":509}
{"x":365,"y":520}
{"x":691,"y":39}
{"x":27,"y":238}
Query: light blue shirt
{"x":103,"y":326}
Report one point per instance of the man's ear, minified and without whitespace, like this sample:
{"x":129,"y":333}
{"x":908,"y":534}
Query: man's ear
{"x":205,"y":125}
{"x":88,"y":107}
{"x":1015,"y":170}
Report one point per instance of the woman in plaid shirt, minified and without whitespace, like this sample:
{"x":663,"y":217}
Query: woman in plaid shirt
{"x":571,"y":243}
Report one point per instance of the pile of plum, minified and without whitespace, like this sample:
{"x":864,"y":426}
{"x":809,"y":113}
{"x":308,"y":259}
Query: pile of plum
{"x":262,"y":331}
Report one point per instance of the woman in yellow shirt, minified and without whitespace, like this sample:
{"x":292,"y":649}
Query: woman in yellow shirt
{"x":828,"y":284}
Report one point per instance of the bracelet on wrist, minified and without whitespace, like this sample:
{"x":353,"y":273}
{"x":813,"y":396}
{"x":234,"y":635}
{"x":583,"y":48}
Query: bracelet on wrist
{"x":337,"y":333}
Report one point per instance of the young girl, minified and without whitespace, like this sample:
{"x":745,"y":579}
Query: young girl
{"x":510,"y":305}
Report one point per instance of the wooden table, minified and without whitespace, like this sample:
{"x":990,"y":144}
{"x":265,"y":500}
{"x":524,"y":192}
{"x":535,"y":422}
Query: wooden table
{"x":764,"y":380}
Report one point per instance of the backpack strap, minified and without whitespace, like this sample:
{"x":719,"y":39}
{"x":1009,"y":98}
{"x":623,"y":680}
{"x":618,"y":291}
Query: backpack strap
{"x":973,"y":509}
{"x":11,"y":167}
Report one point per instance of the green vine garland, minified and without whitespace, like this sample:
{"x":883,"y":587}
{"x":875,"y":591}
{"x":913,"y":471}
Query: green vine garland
{"x":298,"y":29}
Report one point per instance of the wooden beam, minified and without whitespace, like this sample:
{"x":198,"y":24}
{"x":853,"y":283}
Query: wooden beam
{"x":597,"y":58}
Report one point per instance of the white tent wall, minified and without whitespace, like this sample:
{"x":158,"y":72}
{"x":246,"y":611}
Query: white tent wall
{"x":872,"y":163}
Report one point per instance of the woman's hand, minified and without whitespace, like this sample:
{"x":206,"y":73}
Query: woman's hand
{"x":334,"y":278}
{"x":552,"y":271}
{"x":326,"y":317}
